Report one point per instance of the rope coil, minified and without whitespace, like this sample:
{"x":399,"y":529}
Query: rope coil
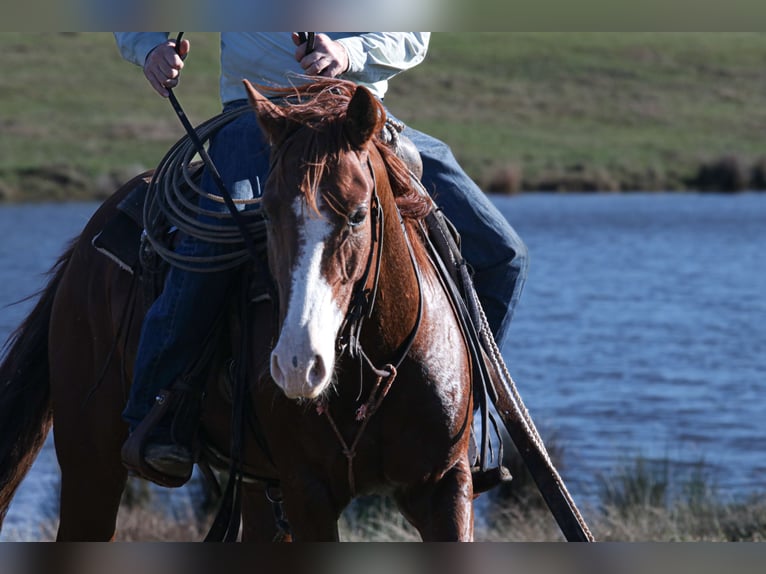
{"x":173,"y":202}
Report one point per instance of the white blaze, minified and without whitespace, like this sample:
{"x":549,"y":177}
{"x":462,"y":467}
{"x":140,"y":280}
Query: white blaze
{"x":302,"y":361}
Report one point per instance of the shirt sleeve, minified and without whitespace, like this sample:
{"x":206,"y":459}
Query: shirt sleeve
{"x":135,"y":46}
{"x":376,"y":56}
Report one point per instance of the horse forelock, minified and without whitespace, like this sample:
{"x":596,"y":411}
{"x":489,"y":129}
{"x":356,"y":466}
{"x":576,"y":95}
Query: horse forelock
{"x":315,"y":141}
{"x":320,"y":142}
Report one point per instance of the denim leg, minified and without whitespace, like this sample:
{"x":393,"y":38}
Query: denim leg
{"x":491,"y":246}
{"x":176,"y":325}
{"x":175,"y":328}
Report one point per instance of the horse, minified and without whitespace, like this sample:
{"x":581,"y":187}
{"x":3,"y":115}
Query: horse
{"x":359,"y":373}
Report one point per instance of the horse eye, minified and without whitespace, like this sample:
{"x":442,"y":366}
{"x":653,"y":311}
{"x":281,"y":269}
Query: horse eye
{"x":357,"y":217}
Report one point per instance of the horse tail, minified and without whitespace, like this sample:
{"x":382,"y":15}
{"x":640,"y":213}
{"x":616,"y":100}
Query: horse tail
{"x":25,"y":404}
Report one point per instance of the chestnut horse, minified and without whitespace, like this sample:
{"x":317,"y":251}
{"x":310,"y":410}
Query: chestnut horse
{"x":370,"y":387}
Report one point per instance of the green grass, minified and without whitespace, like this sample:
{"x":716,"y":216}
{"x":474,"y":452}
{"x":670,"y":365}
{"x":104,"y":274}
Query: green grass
{"x":70,"y":100}
{"x":643,"y":109}
{"x":626,"y":103}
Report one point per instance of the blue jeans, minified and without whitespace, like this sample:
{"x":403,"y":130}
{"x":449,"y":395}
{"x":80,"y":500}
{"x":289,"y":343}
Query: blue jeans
{"x":177,"y":324}
{"x":489,"y":244}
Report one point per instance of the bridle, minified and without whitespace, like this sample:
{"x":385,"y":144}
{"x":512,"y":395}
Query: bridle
{"x":363,"y":296}
{"x":365,"y":289}
{"x":349,"y":335}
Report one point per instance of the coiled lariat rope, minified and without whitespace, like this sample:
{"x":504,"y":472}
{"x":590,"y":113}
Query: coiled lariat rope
{"x":173,"y":202}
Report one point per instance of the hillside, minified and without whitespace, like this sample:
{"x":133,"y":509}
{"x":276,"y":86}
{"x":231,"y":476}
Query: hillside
{"x":554,"y":111}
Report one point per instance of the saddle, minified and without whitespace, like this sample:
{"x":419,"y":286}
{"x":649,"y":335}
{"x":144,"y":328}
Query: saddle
{"x":120,"y":239}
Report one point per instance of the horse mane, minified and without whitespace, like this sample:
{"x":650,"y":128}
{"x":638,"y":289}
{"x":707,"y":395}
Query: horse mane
{"x":321,"y":106}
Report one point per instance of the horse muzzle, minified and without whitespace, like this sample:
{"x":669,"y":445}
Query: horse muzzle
{"x":301,"y":375}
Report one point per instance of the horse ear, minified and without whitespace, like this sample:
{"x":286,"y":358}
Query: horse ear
{"x":270,"y":116}
{"x":362,"y":118}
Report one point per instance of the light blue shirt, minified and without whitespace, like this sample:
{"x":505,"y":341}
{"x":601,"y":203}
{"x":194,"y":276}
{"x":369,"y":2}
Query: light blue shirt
{"x":268,"y":58}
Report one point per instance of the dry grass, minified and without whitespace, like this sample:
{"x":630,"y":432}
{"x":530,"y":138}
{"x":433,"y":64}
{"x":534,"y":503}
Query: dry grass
{"x":644,"y":501}
{"x":743,"y":521}
{"x":152,"y":525}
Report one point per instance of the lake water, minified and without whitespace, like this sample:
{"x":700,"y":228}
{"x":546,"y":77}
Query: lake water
{"x":641,"y":332}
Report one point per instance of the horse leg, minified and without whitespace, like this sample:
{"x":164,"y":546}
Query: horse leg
{"x":441,"y":511}
{"x":92,"y":475}
{"x":90,"y":498}
{"x":258,"y":519}
{"x":92,"y":481}
{"x":310,"y":510}
{"x":88,"y":434}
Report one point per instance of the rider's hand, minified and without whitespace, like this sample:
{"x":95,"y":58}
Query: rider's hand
{"x":329,"y":58}
{"x":163,"y":66}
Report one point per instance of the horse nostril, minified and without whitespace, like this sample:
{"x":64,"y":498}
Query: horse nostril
{"x":276,"y":371}
{"x":317,"y":372}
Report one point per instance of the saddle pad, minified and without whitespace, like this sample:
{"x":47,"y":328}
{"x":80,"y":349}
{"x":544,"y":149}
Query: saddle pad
{"x":120,"y":239}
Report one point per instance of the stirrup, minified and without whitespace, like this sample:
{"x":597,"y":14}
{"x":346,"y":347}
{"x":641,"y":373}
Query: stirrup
{"x":134,"y":449}
{"x":171,"y":459}
{"x":484,"y":480}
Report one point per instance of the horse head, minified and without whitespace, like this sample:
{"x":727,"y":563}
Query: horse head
{"x":318,"y":201}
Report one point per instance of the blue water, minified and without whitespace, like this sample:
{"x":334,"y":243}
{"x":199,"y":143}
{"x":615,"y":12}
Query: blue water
{"x":641,"y":332}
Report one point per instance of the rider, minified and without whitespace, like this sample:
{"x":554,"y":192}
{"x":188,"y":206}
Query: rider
{"x":176,"y":324}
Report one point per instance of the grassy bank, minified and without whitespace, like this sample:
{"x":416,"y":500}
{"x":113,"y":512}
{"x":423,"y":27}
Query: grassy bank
{"x":522,"y":111}
{"x":640,"y":500}
{"x":640,"y":503}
